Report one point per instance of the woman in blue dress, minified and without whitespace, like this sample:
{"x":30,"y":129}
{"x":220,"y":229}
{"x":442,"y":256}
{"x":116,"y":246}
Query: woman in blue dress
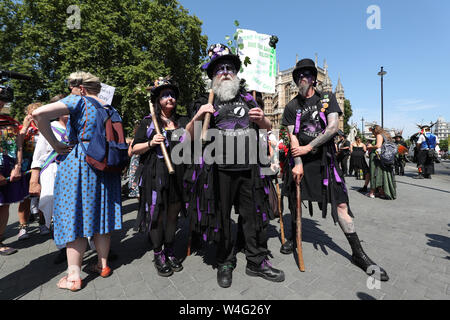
{"x":87,"y":202}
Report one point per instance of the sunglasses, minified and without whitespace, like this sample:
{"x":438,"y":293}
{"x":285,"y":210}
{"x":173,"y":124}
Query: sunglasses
{"x":306,"y":74}
{"x":225,"y":68}
{"x":168,"y":94}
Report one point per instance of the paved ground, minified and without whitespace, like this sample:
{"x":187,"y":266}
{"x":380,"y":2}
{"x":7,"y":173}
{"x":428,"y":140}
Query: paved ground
{"x":409,"y":237}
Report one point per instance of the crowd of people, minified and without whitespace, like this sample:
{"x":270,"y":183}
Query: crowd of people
{"x":44,"y":169}
{"x":366,"y":159}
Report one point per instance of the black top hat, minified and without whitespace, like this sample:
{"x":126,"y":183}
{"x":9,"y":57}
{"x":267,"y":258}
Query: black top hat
{"x":217,"y":53}
{"x":163,"y":83}
{"x":303,"y":65}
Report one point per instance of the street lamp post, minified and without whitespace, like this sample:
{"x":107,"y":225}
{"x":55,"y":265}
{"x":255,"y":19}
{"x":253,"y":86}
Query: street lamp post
{"x":362,"y":126}
{"x":382,"y":73}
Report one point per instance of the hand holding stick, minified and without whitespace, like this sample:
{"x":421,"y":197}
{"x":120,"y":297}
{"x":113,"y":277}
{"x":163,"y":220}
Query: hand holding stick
{"x":207,"y":119}
{"x":163,"y":146}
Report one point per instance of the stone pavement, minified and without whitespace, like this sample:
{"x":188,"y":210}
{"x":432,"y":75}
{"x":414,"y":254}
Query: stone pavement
{"x":409,"y":237}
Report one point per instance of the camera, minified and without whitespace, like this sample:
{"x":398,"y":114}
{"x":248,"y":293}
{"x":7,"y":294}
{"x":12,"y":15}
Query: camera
{"x":7,"y":93}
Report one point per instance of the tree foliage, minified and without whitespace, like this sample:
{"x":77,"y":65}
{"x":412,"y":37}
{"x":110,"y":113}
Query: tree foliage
{"x":126,"y":43}
{"x":443,"y":145}
{"x":348,"y":112}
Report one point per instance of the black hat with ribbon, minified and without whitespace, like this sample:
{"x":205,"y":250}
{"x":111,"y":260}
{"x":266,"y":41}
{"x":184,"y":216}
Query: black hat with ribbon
{"x":219,"y":53}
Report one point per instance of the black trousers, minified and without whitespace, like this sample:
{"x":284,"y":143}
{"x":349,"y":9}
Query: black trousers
{"x":425,"y":162}
{"x":236,"y":188}
{"x":343,"y":160}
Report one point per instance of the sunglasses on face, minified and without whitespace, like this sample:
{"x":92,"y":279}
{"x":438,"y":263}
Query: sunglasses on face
{"x":225,"y":68}
{"x":308,"y":75}
{"x":168,"y":94}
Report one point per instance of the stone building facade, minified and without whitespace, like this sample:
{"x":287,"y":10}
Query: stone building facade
{"x":286,"y":90}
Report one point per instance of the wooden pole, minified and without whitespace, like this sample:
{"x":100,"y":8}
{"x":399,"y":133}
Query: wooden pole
{"x":207,"y":119}
{"x":283,"y":239}
{"x":163,"y":146}
{"x":298,"y":235}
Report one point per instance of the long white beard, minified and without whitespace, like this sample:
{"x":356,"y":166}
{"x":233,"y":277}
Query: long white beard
{"x":226,"y":90}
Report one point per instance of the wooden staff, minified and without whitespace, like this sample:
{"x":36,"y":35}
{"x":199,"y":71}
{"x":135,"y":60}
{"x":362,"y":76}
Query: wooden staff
{"x":298,"y":224}
{"x":163,"y":146}
{"x":207,"y":119}
{"x":283,"y":239}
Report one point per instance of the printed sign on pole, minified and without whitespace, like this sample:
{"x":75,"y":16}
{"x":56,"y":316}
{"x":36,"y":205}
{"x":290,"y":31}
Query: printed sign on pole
{"x":260,"y":74}
{"x":107,"y":93}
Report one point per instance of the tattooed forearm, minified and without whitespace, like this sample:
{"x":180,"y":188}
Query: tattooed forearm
{"x":330,"y":131}
{"x":294,"y":143}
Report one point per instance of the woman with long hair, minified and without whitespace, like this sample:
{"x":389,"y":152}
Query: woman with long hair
{"x":381,"y":177}
{"x":161,"y":197}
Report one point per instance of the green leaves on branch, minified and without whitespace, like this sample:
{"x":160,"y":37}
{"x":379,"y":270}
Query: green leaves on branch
{"x":127,"y":44}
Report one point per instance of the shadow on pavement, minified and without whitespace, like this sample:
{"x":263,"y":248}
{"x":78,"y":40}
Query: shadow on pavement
{"x":439,"y":241}
{"x":311,"y":233}
{"x":418,"y":185}
{"x":364,"y":296}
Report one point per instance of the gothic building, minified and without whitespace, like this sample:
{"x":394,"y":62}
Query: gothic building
{"x":286,"y":90}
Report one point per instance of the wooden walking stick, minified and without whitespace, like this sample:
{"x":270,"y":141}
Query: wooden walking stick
{"x":283,"y":239}
{"x":207,"y":119}
{"x":163,"y":146}
{"x":298,"y":234}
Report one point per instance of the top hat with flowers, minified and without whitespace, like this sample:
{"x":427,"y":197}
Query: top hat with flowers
{"x":219,"y":53}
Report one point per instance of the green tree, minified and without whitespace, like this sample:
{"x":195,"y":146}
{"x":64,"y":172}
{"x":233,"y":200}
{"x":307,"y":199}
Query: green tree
{"x":127,"y":44}
{"x":347,"y":115}
{"x":443,"y":145}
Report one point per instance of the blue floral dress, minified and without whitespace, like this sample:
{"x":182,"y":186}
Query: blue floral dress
{"x":87,"y":201}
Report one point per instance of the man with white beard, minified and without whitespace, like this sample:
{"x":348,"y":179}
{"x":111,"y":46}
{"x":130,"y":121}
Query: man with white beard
{"x":233,"y":178}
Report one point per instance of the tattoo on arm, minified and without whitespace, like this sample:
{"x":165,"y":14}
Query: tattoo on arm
{"x":297,"y":160}
{"x":331,"y":129}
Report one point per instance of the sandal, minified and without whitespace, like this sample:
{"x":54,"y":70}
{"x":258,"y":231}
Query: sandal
{"x":73,"y":286}
{"x":103,"y":272}
{"x":6,"y":252}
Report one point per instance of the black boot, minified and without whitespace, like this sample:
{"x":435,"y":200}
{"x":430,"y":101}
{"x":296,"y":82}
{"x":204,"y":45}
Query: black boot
{"x":360,"y":258}
{"x":161,"y":265}
{"x":264,"y":270}
{"x":225,"y":275}
{"x":287,"y":247}
{"x":174,"y":263}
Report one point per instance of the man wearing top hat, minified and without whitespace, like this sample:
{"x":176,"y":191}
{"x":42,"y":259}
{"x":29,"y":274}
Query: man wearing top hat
{"x":233,"y":178}
{"x":312,"y":119}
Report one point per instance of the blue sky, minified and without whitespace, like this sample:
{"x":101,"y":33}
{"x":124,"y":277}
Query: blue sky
{"x":413,"y":46}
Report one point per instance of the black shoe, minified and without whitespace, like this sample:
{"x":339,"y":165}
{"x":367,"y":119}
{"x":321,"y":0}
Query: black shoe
{"x":61,"y":257}
{"x":174,"y":263}
{"x":419,"y":177}
{"x":265,"y":270}
{"x":287,"y":247}
{"x":225,"y":275}
{"x":363,"y":189}
{"x":362,"y":260}
{"x":161,"y":265}
{"x":428,"y":177}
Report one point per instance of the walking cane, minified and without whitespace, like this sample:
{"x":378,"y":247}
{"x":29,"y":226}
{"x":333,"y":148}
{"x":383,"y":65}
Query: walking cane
{"x":205,"y":128}
{"x":283,"y":239}
{"x":163,"y":146}
{"x":298,"y":234}
{"x":207,"y":119}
